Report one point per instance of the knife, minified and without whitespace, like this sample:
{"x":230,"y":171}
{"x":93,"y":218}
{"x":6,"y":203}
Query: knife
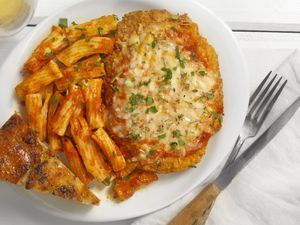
{"x":197,"y":211}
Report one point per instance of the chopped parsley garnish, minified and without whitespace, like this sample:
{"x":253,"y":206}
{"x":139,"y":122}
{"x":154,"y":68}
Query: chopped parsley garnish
{"x":82,"y":36}
{"x":102,"y":55}
{"x":177,"y":55}
{"x":193,"y":73}
{"x":173,"y":145}
{"x":146,"y":82}
{"x":168,"y":73}
{"x":87,"y":39}
{"x":116,"y":77}
{"x":74,"y":23}
{"x":100,"y":30}
{"x":72,"y":79}
{"x":79,"y":28}
{"x":114,"y":88}
{"x":127,"y":177}
{"x":150,"y":153}
{"x":65,"y":39}
{"x":202,"y":73}
{"x":162,"y":136}
{"x":209,"y":95}
{"x":107,"y":180}
{"x":154,"y":42}
{"x":174,"y":29}
{"x":53,"y":39}
{"x":116,"y":185}
{"x":53,"y":100}
{"x":181,"y":142}
{"x":136,"y":99}
{"x":97,"y":63}
{"x":193,"y":166}
{"x":134,"y":137}
{"x":80,"y":85}
{"x":216,"y":115}
{"x":180,"y":116}
{"x":176,"y":16}
{"x":152,"y":109}
{"x":176,"y":134}
{"x":63,"y":22}
{"x":149,"y":100}
{"x":49,"y":54}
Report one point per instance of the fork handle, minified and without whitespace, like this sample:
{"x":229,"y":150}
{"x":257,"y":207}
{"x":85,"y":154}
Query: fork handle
{"x":197,"y":211}
{"x":235,"y":151}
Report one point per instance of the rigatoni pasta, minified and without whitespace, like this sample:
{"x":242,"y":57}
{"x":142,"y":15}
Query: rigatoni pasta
{"x":91,"y":90}
{"x":39,"y":80}
{"x":91,"y":67}
{"x":110,"y":149}
{"x":99,"y":26}
{"x":84,"y":48}
{"x":46,"y":50}
{"x":89,"y":151}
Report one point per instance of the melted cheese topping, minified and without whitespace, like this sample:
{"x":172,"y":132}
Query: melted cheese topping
{"x":162,"y":94}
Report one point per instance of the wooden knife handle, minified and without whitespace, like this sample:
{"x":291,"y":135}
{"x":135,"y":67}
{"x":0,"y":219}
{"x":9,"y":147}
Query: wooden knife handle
{"x":197,"y":211}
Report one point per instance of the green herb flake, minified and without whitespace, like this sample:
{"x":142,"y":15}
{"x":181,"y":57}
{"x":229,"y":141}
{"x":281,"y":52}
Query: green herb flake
{"x":53,"y":100}
{"x":116,"y":185}
{"x":116,"y":76}
{"x":174,"y":29}
{"x":52,"y":39}
{"x":180,"y":116}
{"x":100,"y":30}
{"x":136,"y":99}
{"x":114,"y":88}
{"x":63,"y":22}
{"x":216,"y":116}
{"x":66,"y":39}
{"x":72,"y":79}
{"x":176,"y":16}
{"x":127,"y":177}
{"x":177,"y":55}
{"x":74,"y":23}
{"x":181,"y":142}
{"x":152,"y":109}
{"x":133,"y":137}
{"x":97,"y":63}
{"x":154,"y":42}
{"x":168,"y":73}
{"x":193,"y":166}
{"x":202,"y":73}
{"x":176,"y":133}
{"x":173,"y":145}
{"x":150,"y":153}
{"x":82,"y":36}
{"x":107,"y":180}
{"x":49,"y":54}
{"x":209,"y":95}
{"x":87,"y":39}
{"x":162,"y":136}
{"x":145,"y":83}
{"x":80,"y":85}
{"x":149,"y":100}
{"x":193,"y":73}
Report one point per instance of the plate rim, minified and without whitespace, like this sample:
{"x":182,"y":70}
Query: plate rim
{"x":72,"y":217}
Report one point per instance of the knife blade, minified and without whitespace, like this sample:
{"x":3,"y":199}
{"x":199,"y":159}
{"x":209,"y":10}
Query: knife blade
{"x":228,"y":173}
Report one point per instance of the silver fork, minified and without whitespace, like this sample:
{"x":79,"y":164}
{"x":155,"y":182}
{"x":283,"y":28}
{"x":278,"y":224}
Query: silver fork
{"x":260,"y":104}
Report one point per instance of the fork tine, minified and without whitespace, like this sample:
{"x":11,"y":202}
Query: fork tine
{"x":271,"y":104}
{"x":262,"y":106}
{"x":258,"y":89}
{"x":261,"y":96}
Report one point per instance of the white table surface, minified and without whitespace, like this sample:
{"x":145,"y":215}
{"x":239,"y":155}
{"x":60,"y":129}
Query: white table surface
{"x":267,"y":30}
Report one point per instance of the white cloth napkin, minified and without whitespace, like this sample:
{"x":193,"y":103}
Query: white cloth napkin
{"x":267,"y":191}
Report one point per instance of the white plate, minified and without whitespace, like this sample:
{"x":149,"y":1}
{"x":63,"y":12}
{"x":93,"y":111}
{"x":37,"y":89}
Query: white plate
{"x":169,"y":187}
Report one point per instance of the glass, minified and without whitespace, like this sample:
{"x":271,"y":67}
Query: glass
{"x":15,"y":15}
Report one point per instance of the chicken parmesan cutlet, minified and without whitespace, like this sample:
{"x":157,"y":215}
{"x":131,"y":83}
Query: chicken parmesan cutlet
{"x":163,"y":91}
